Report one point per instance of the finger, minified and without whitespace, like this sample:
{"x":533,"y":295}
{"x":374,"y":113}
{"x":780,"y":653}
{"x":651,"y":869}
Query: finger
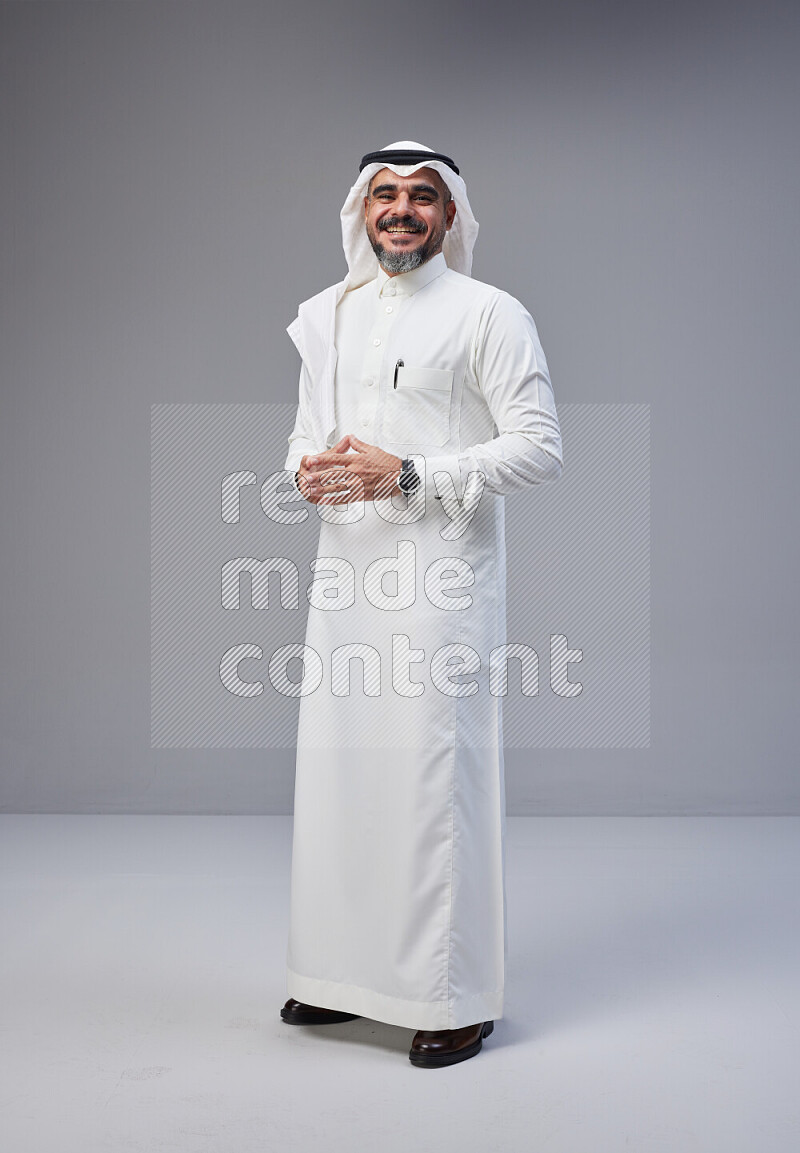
{"x":343,"y":444}
{"x":351,"y":491}
{"x":336,"y":498}
{"x":358,"y":445}
{"x":334,"y":476}
{"x":333,"y":484}
{"x":339,"y":488}
{"x":326,"y":460}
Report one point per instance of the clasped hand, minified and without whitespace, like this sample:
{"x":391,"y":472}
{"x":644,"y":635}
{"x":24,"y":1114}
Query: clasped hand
{"x":340,"y":476}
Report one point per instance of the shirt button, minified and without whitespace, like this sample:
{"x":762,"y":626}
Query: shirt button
{"x":389,"y":290}
{"x":389,"y":308}
{"x":369,"y":383}
{"x":364,"y":421}
{"x":376,"y":341}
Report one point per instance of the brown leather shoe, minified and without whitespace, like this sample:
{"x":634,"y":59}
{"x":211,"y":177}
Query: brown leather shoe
{"x":296,"y":1013}
{"x":432,"y":1048}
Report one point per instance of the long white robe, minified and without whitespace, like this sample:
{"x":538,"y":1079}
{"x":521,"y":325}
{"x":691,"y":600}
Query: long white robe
{"x":398,"y":906}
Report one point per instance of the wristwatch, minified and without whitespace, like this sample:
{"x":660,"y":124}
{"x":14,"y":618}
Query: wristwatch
{"x":409,"y":479}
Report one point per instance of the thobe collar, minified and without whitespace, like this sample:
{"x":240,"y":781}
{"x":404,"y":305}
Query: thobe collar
{"x":407,"y":283}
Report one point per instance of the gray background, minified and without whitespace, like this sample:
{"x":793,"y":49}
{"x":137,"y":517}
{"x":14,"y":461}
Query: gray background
{"x":171,"y":184}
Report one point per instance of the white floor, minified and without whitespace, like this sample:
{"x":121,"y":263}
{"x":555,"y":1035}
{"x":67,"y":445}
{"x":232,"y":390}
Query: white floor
{"x":653,"y":996}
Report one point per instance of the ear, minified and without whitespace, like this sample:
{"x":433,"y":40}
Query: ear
{"x":450,"y":214}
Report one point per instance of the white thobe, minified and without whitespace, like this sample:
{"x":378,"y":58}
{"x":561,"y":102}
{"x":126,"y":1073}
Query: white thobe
{"x":398,"y":904}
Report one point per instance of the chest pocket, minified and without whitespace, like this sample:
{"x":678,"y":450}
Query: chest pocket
{"x":418,"y":409}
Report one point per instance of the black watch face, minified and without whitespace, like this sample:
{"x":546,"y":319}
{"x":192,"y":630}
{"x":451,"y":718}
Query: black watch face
{"x":409,"y":480}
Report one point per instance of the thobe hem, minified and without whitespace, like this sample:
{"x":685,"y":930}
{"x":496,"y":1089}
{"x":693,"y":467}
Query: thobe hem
{"x":455,"y":1013}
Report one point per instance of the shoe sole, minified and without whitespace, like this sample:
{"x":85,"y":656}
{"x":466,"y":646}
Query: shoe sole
{"x":332,"y":1018}
{"x":432,"y":1061}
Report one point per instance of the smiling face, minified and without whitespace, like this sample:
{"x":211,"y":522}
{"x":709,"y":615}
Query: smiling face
{"x":407,"y":217}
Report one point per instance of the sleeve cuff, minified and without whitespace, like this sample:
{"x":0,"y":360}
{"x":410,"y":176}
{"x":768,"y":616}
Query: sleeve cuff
{"x":450,"y":464}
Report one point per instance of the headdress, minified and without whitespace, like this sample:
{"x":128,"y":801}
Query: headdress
{"x":405,"y":157}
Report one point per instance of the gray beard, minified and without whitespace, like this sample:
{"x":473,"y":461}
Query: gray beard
{"x":399,"y":261}
{"x":395,"y":262}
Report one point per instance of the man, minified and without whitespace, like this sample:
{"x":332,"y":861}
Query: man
{"x":424,"y":400}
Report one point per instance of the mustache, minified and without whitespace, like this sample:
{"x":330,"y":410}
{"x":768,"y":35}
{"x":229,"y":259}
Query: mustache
{"x":401,"y":222}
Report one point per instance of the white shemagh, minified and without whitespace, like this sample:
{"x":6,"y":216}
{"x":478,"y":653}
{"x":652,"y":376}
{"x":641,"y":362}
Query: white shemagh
{"x":313,"y":330}
{"x":459,"y":241}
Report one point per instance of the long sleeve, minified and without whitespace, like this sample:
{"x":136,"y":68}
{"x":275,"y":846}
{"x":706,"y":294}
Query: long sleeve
{"x":301,"y":439}
{"x":511,"y":371}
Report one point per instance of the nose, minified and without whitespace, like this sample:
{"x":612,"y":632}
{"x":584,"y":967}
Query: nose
{"x":403,"y":203}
